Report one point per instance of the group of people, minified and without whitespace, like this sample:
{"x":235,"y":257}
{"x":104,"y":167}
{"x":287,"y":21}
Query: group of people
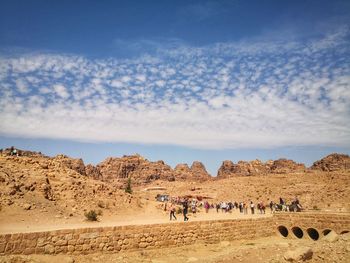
{"x":226,"y":206}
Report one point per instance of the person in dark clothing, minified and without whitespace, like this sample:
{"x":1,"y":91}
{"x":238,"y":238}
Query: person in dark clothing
{"x":185,"y":210}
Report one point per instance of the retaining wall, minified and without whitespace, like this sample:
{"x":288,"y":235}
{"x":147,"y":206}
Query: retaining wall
{"x":312,"y":225}
{"x":89,"y":240}
{"x":114,"y":239}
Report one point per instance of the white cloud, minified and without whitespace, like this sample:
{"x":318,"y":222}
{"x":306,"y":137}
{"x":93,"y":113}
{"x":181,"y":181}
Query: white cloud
{"x":22,"y":86}
{"x":247,"y":94}
{"x":61,"y":91}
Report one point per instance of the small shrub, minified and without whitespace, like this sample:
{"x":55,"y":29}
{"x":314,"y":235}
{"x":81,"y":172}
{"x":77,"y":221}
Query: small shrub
{"x":91,"y":215}
{"x":315,"y":207}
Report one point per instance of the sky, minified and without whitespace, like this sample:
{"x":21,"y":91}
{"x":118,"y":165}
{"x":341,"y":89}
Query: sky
{"x":176,"y":80}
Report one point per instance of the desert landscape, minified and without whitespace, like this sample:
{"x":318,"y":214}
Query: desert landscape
{"x":42,"y":193}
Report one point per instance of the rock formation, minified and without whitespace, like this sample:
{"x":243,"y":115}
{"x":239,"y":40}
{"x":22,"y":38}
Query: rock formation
{"x":136,"y":167}
{"x":284,"y":166}
{"x":333,"y":162}
{"x":93,"y":171}
{"x":199,"y":172}
{"x":242,"y":168}
{"x":71,"y":163}
{"x":182,"y":171}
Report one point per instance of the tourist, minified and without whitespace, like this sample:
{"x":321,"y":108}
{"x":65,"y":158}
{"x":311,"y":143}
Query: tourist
{"x":206,"y":206}
{"x":185,"y":210}
{"x":252,"y":207}
{"x":193,"y":207}
{"x":240,"y":207}
{"x":217,"y":207}
{"x":223,"y":207}
{"x":245,"y":208}
{"x":271,"y":206}
{"x":172,"y":211}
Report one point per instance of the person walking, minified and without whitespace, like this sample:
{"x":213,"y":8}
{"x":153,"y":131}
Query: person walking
{"x":252,"y":207}
{"x":185,"y":210}
{"x":172,"y":211}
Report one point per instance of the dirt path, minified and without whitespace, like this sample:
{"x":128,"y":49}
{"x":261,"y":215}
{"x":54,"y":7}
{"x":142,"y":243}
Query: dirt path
{"x":150,"y":215}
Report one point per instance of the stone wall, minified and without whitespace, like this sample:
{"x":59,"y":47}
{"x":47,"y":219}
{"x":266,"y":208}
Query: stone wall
{"x":90,"y":240}
{"x":318,"y":221}
{"x":114,"y":239}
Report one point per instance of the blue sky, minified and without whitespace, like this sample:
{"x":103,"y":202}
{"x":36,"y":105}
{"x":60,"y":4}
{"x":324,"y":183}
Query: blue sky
{"x":176,"y":80}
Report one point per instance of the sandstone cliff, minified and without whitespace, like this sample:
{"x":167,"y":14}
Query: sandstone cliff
{"x":333,"y":162}
{"x":243,"y":168}
{"x":182,"y":171}
{"x":197,"y":172}
{"x":135,"y":166}
{"x":284,"y":166}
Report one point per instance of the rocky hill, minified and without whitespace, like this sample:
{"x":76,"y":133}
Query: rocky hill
{"x":135,"y":166}
{"x":197,"y":172}
{"x":333,"y":162}
{"x":229,"y":169}
{"x":34,"y":181}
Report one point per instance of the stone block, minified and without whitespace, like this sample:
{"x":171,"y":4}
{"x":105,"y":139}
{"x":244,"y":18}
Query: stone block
{"x":2,"y":247}
{"x":72,"y":242}
{"x":86,"y":247}
{"x":49,"y":249}
{"x":39,"y":250}
{"x":29,"y":251}
{"x":70,"y":248}
{"x":61,"y":242}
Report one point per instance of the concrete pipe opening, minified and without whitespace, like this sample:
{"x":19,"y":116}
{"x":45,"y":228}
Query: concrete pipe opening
{"x":344,"y":232}
{"x":283,"y":231}
{"x":298,"y":232}
{"x":326,"y":232}
{"x":313,"y":233}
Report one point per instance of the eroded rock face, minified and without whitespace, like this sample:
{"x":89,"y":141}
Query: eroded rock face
{"x":333,"y":162}
{"x":227,"y":169}
{"x":137,"y":167}
{"x":199,"y":172}
{"x":242,"y":168}
{"x":93,"y":172}
{"x":71,"y":163}
{"x":284,"y":166}
{"x":182,"y":171}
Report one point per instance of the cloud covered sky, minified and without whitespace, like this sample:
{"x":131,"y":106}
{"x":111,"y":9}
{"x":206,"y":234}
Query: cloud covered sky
{"x":287,"y":85}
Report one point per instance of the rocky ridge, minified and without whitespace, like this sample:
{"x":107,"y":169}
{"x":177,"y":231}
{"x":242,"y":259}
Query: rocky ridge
{"x":135,"y":166}
{"x":333,"y":162}
{"x":229,"y":169}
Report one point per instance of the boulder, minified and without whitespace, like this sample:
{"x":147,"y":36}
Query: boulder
{"x":299,"y":254}
{"x":331,"y":237}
